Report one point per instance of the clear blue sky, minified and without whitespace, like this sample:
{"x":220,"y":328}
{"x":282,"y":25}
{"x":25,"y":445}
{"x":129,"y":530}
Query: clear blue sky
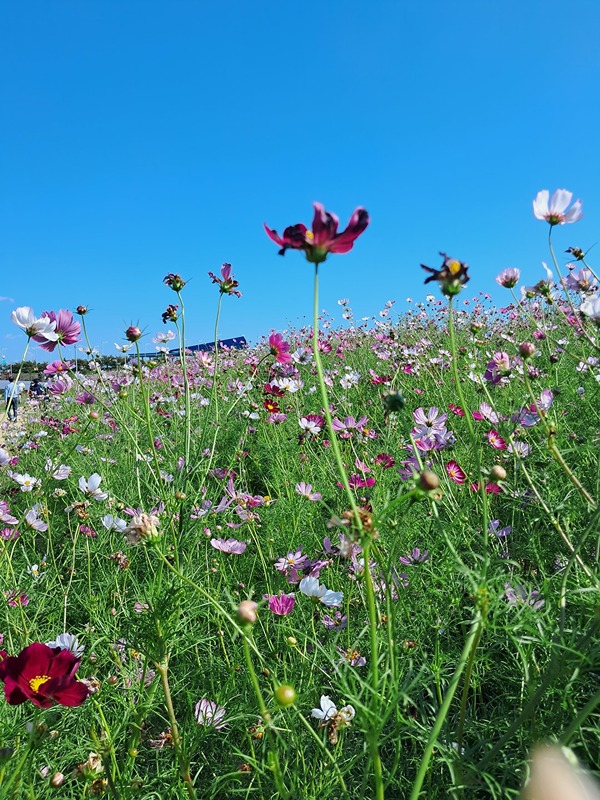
{"x":141,"y":137}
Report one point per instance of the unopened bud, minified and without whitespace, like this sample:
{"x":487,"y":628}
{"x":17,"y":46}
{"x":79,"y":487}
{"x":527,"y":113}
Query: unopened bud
{"x":247,"y":612}
{"x":498,"y":473}
{"x":292,"y":641}
{"x":428,"y":480}
{"x":94,"y":415}
{"x":82,"y":310}
{"x":526,"y":349}
{"x":285,"y":695}
{"x":57,"y":780}
{"x":180,"y":495}
{"x":133,"y":333}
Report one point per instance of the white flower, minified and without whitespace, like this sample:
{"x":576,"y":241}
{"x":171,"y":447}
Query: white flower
{"x":112,"y":523}
{"x":554,"y":213}
{"x":327,"y":711}
{"x":25,"y":318}
{"x":312,"y":588}
{"x":34,"y":571}
{"x":591,"y":308}
{"x":66,"y":641}
{"x":26,"y":482}
{"x":91,"y":487}
{"x":123,"y":348}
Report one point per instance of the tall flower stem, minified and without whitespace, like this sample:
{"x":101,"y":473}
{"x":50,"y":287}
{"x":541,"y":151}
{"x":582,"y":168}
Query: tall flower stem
{"x":16,"y":380}
{"x":472,"y":640}
{"x":148,"y":421}
{"x":365,"y":540}
{"x":163,"y":669}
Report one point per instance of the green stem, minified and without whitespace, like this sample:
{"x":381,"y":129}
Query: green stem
{"x":183,"y":767}
{"x":186,"y":390}
{"x":472,"y":640}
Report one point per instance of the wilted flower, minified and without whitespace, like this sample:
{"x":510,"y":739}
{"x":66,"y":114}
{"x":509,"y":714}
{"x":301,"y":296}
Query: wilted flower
{"x":331,"y":718}
{"x":451,"y":276}
{"x":174,"y":281}
{"x":142,"y":528}
{"x":227,"y":283}
{"x":324,"y":238}
{"x":554,"y":213}
{"x":170,"y":314}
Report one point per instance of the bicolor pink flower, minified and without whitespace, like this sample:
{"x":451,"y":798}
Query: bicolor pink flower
{"x":496,"y":440}
{"x":324,"y":238}
{"x":209,"y":714}
{"x":279,"y":349}
{"x":554,"y":211}
{"x":66,"y":330}
{"x":57,"y":367}
{"x":455,"y":472}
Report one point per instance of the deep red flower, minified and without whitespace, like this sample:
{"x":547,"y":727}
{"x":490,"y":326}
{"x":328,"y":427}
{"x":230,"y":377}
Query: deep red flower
{"x":44,"y":675}
{"x":324,"y":238}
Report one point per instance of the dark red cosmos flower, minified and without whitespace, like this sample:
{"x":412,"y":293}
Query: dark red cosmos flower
{"x":42,"y":674}
{"x":324,"y":238}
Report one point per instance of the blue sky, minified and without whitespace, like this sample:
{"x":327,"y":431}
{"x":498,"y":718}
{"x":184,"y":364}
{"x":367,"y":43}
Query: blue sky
{"x":143,"y":137}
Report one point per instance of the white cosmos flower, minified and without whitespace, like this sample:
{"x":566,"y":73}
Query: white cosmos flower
{"x":91,"y":487}
{"x":591,"y":307}
{"x":554,"y":213}
{"x":26,"y":319}
{"x":66,"y":641}
{"x":327,"y":711}
{"x":26,"y":482}
{"x":312,"y":588}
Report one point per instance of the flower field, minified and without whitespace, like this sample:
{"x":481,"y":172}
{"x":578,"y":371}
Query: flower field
{"x":353,"y":560}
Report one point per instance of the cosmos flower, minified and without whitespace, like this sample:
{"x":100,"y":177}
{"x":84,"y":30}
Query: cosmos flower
{"x":591,"y":308}
{"x":26,"y":319}
{"x":312,"y":588}
{"x":554,"y":212}
{"x":324,"y":238}
{"x":451,"y":276}
{"x":209,"y":714}
{"x":281,"y":604}
{"x":91,"y":487}
{"x":455,"y":473}
{"x":305,"y":489}
{"x":231,"y":546}
{"x":279,"y":349}
{"x":227,"y":283}
{"x":66,"y":330}
{"x":509,"y":277}
{"x":44,"y":675}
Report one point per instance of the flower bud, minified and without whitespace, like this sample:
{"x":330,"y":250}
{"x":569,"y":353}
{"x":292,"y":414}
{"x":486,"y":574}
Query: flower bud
{"x":94,"y":415}
{"x":498,"y":473}
{"x":285,"y":695}
{"x":292,"y":641}
{"x":133,"y":333}
{"x":82,"y":310}
{"x":428,"y":480}
{"x":57,"y":780}
{"x":247,"y":612}
{"x":526,"y":349}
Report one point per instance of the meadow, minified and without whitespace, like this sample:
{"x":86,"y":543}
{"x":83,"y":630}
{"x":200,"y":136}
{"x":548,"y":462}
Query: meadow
{"x":358,"y":559}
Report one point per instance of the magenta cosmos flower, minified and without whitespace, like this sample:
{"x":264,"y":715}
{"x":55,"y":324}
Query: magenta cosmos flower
{"x":66,"y":332}
{"x":279,"y":349}
{"x":554,"y":212}
{"x":281,"y":604}
{"x":324,"y":237}
{"x":227,"y":283}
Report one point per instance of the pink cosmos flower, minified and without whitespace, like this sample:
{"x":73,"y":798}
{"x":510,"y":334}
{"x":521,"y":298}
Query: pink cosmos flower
{"x":305,"y":489}
{"x":66,"y":332}
{"x":455,"y":473}
{"x":324,"y":238}
{"x":554,"y":213}
{"x":280,"y":349}
{"x":496,"y":440}
{"x":281,"y":604}
{"x":57,"y":367}
{"x":509,"y":277}
{"x":231,"y":546}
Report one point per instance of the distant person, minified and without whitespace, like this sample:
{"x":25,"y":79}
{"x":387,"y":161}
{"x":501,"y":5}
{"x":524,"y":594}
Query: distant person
{"x":12,"y":391}
{"x":36,"y":389}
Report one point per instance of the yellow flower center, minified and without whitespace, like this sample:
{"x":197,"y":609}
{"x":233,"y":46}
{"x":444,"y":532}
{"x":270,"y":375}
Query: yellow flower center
{"x":38,"y":681}
{"x":454,"y":267}
{"x":309,"y":236}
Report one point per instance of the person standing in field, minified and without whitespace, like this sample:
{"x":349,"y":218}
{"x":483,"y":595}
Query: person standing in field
{"x":11,"y":398}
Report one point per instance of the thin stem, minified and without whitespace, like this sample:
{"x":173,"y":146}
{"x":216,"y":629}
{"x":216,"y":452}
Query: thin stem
{"x":183,"y":767}
{"x":472,"y":640}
